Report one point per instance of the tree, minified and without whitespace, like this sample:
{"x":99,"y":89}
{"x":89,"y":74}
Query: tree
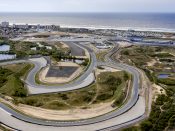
{"x":113,"y":82}
{"x":20,"y":54}
{"x":85,"y":63}
{"x":126,"y":52}
{"x":146,"y":125}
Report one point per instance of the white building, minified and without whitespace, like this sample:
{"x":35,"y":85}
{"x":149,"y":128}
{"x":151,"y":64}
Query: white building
{"x":103,"y":46}
{"x":26,"y":26}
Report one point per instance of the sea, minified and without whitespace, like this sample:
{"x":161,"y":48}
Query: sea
{"x":122,"y":21}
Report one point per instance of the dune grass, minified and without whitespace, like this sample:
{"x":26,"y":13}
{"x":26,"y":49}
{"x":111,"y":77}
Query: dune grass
{"x":13,"y":85}
{"x":101,"y":91}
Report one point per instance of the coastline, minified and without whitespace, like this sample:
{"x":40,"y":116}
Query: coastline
{"x":95,"y":27}
{"x":155,"y":22}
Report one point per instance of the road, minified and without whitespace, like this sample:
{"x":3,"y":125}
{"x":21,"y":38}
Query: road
{"x":114,"y":123}
{"x":84,"y":80}
{"x":129,"y":106}
{"x":75,"y":50}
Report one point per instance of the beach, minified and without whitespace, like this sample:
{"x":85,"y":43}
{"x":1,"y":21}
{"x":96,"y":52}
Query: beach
{"x":160,"y":22}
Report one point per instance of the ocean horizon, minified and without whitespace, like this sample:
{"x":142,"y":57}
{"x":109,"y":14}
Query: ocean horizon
{"x":121,"y":21}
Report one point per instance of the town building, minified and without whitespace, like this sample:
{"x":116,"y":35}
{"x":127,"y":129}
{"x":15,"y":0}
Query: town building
{"x":5,"y":24}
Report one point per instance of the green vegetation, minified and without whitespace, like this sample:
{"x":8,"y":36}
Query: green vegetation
{"x":100,"y":67}
{"x":4,"y":128}
{"x":13,"y":87}
{"x":3,"y":43}
{"x":23,"y":49}
{"x":86,"y":62}
{"x":20,"y":69}
{"x":60,"y":46}
{"x":10,"y":83}
{"x":109,"y":87}
{"x":42,"y":36}
{"x":162,"y":115}
{"x":137,"y":55}
{"x":134,"y":128}
{"x":4,"y":73}
{"x":140,"y":56}
{"x":167,"y":81}
{"x":166,"y":60}
{"x":101,"y":55}
{"x":162,"y":55}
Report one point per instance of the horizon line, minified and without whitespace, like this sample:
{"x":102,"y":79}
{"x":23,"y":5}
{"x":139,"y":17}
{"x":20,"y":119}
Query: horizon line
{"x":87,"y":12}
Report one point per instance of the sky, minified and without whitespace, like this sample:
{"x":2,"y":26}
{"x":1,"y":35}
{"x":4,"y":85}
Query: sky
{"x":87,"y":6}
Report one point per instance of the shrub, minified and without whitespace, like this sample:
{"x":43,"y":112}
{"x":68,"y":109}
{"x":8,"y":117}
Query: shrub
{"x":167,"y":81}
{"x":146,"y":125}
{"x":119,"y":100}
{"x":64,"y":97}
{"x":31,"y":101}
{"x":104,"y":96}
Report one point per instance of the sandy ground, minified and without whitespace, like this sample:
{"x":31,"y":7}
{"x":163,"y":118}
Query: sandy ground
{"x":146,"y":92}
{"x":63,"y":45}
{"x":135,"y":112}
{"x":71,"y":114}
{"x":51,"y":33}
{"x":93,"y":48}
{"x":124,"y":44}
{"x":106,"y":69}
{"x":158,"y":88}
{"x":5,"y":128}
{"x":44,"y":79}
{"x":151,"y":63}
{"x":31,"y":36}
{"x":96,"y":50}
{"x":36,"y":39}
{"x":156,"y":91}
{"x":66,"y":64}
{"x":59,"y":45}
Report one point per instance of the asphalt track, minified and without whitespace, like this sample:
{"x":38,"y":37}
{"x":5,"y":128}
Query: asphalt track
{"x":84,"y":80}
{"x":109,"y":62}
{"x":75,"y":50}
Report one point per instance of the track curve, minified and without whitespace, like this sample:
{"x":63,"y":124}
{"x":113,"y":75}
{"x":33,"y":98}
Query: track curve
{"x":109,"y":62}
